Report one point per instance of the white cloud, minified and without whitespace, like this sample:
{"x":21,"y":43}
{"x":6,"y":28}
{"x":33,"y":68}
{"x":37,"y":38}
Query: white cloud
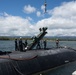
{"x":14,"y":25}
{"x":41,"y":12}
{"x":61,"y":22}
{"x":38,"y":13}
{"x":29,"y":9}
{"x":43,"y":8}
{"x":29,"y":18}
{"x":66,"y":10}
{"x":4,"y":14}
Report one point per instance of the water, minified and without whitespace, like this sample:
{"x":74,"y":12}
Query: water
{"x":62,"y":70}
{"x":7,"y":45}
{"x":67,"y":69}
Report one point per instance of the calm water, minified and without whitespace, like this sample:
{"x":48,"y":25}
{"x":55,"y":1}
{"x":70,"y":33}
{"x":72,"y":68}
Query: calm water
{"x":63,"y":70}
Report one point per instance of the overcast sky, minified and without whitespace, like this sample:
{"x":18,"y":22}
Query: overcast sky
{"x":25,"y":17}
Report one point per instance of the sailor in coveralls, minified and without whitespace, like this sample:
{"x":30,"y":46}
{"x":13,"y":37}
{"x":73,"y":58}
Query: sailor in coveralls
{"x":45,"y":43}
{"x":20,"y":44}
{"x":57,"y":43}
{"x":16,"y":45}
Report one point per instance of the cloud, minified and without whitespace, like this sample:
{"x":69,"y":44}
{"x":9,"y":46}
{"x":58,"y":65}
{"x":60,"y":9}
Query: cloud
{"x":29,"y":9}
{"x":66,"y":10}
{"x":4,"y":14}
{"x":14,"y":25}
{"x":41,"y":12}
{"x":61,"y":22}
{"x":38,"y":13}
{"x":29,"y":18}
{"x":43,"y":8}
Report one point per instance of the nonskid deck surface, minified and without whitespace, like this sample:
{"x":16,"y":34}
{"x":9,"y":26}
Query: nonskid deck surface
{"x":17,"y":55}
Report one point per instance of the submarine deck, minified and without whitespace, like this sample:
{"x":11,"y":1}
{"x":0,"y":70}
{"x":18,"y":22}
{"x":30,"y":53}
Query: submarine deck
{"x":31,"y":54}
{"x":33,"y":61}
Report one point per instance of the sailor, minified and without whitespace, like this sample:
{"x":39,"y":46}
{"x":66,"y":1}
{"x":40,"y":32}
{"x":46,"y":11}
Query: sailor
{"x":45,"y":43}
{"x":38,"y":45}
{"x":16,"y":45}
{"x":57,"y":43}
{"x":26,"y":43}
{"x":35,"y":38}
{"x":20,"y":44}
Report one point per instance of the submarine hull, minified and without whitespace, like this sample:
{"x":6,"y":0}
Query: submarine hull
{"x":30,"y":62}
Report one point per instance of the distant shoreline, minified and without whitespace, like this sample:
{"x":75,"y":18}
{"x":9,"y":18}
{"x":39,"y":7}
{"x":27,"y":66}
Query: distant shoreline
{"x":45,"y":38}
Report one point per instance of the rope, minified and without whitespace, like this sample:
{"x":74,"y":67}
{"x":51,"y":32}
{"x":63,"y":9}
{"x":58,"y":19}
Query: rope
{"x":16,"y":68}
{"x":9,"y":57}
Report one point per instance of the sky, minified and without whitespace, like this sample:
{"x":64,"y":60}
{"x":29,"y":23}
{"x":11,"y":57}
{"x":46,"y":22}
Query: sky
{"x":25,"y":17}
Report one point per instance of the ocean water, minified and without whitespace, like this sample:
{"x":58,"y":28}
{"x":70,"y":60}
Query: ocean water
{"x":66,"y":69}
{"x":62,"y":70}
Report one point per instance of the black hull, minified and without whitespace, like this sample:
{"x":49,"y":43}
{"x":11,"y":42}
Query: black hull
{"x":45,"y":59}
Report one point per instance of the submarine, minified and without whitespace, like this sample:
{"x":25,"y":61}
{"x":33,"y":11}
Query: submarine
{"x":31,"y":61}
